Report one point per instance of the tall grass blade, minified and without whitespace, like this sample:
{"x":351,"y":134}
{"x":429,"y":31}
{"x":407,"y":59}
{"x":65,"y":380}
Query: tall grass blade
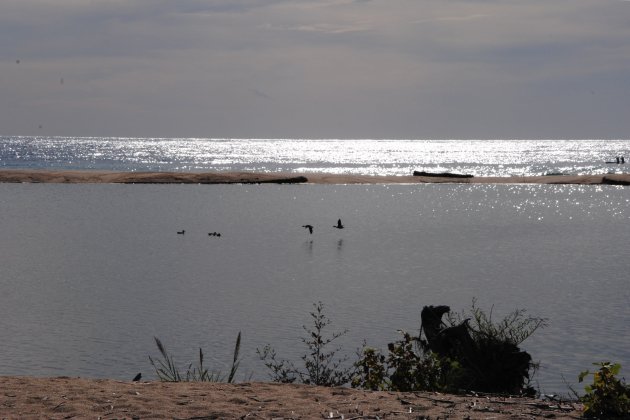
{"x":235,"y":361}
{"x":167,"y":371}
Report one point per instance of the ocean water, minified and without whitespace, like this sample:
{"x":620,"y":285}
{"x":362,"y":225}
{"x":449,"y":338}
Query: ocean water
{"x":91,"y":273}
{"x":365,"y":157}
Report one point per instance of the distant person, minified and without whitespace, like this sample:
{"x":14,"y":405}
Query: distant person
{"x":623,"y":160}
{"x":617,"y":159}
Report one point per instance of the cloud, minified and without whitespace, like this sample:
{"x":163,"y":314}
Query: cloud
{"x":318,"y":68}
{"x":325,"y":28}
{"x":453,"y":18}
{"x":260,"y":94}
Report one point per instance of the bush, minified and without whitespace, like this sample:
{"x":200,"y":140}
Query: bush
{"x":321,"y":366}
{"x":167,"y":371}
{"x":483,"y":356}
{"x":607,"y":396}
{"x":406,"y":368}
{"x":493,"y":362}
{"x":515,"y":328}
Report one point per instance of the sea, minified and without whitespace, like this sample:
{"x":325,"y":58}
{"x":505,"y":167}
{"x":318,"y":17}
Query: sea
{"x":92,"y":273}
{"x":330,"y":156}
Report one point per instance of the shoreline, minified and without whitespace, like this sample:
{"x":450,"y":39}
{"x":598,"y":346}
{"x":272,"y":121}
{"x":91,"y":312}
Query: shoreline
{"x":114,"y":177}
{"x":64,"y":397}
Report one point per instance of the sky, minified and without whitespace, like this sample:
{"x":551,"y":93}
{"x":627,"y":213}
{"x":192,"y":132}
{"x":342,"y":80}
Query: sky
{"x":409,"y":69}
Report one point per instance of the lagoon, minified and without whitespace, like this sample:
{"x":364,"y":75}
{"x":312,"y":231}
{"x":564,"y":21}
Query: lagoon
{"x":91,"y":273}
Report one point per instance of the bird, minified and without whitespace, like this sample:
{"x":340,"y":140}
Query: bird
{"x":214,"y":234}
{"x":309,"y":227}
{"x":339,"y":225}
{"x":181,"y":232}
{"x":137,"y":377}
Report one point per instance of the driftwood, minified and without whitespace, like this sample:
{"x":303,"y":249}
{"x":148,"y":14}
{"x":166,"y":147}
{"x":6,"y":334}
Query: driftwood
{"x":441,"y":174}
{"x":609,"y":180}
{"x":488,"y":363}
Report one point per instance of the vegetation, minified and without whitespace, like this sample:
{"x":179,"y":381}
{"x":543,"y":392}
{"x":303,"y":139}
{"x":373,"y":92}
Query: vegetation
{"x":167,"y":371}
{"x":321,"y":365}
{"x":467,"y":351}
{"x":515,"y":328}
{"x":406,"y":368}
{"x":495,"y":362}
{"x":607,"y":397}
{"x":480,"y":354}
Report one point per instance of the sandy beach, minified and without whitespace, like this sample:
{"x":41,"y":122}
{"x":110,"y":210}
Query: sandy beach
{"x":83,"y":177}
{"x":66,"y":398}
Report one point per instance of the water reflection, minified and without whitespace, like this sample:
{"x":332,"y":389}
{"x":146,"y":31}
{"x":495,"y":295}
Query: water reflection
{"x":309,"y":246}
{"x":365,"y":156}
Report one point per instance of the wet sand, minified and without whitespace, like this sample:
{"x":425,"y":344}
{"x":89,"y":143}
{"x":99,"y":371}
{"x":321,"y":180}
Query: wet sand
{"x":83,"y":177}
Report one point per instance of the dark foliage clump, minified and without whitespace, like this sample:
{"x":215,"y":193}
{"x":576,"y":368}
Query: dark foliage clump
{"x":472,"y":353}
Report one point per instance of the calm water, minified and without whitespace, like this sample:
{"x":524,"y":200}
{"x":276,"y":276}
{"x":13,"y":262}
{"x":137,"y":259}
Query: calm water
{"x":367,"y":157}
{"x":91,"y":273}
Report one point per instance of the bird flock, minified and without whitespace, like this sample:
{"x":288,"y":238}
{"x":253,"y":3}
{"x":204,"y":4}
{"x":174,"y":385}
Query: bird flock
{"x":339,"y":225}
{"x":183,"y":232}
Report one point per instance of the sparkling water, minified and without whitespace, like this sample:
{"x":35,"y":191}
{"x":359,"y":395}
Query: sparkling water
{"x":365,"y":157}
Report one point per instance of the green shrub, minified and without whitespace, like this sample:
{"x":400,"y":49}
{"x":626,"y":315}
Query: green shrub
{"x":371,"y":370}
{"x":321,"y":365}
{"x":607,"y":396}
{"x":167,"y":371}
{"x":406,"y":368}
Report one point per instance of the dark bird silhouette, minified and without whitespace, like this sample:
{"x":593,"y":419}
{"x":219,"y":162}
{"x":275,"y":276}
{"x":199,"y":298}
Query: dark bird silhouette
{"x":339,"y":225}
{"x":214,"y":234}
{"x":137,"y":377}
{"x":181,"y":232}
{"x":309,"y":227}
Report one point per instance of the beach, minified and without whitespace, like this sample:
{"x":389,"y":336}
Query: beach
{"x":113,"y":177}
{"x":65,"y":398}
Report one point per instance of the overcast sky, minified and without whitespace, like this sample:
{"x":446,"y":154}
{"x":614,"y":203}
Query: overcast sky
{"x":316,"y":68}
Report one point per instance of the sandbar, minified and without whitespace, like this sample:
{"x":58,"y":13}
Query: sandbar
{"x":114,"y":177}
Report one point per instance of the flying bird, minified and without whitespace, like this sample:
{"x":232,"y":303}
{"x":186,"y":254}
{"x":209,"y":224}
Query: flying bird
{"x":181,"y":232}
{"x":339,"y":225}
{"x":309,"y":227}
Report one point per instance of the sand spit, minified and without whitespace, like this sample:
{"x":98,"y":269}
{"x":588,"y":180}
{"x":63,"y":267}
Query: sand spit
{"x":86,"y":177}
{"x":65,"y":398}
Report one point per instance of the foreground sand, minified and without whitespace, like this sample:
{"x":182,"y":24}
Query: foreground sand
{"x":45,"y":176}
{"x":66,"y":398}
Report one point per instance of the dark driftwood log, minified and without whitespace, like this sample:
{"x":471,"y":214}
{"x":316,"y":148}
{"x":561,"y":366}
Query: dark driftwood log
{"x":489,"y":364}
{"x":612,"y":181}
{"x":441,"y":174}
